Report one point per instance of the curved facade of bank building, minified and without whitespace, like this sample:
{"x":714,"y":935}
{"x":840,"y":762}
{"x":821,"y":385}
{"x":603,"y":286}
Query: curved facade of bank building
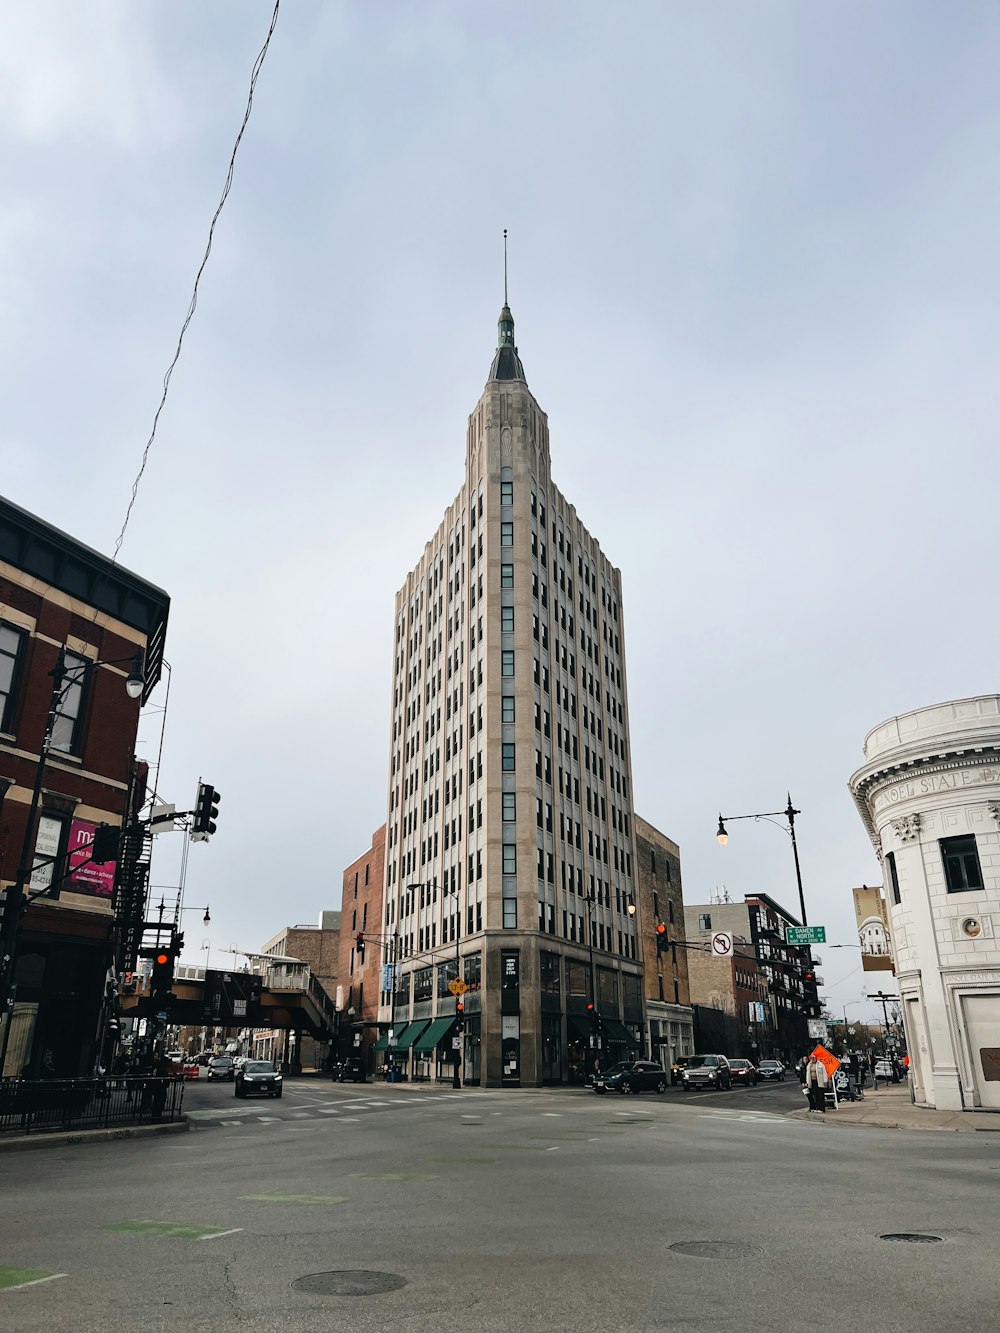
{"x":929,"y":796}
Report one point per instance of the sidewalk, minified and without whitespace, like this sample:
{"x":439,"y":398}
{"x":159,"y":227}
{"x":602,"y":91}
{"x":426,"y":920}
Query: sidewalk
{"x":891,"y":1108}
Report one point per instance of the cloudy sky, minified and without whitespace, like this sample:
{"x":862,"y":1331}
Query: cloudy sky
{"x":753,"y":271}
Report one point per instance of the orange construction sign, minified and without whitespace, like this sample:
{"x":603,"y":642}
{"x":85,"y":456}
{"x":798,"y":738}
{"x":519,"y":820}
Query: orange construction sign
{"x":827,"y":1059}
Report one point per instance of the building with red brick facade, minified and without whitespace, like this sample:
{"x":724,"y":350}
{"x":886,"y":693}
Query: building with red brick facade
{"x":64,"y":607}
{"x":361,"y":914}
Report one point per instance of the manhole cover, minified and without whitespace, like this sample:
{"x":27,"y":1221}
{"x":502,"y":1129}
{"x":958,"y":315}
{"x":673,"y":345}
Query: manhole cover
{"x":349,"y":1282}
{"x":914,"y":1237}
{"x":711,"y":1249}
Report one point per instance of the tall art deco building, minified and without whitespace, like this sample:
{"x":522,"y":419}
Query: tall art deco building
{"x":510,"y":839}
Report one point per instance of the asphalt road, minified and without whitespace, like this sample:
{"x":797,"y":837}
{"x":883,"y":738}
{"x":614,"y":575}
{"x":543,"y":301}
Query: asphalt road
{"x":499,"y":1210}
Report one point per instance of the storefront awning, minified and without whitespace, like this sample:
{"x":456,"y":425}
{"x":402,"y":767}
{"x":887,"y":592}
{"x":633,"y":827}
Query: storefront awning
{"x":617,"y":1031}
{"x":577,"y":1029}
{"x":436,"y":1033}
{"x":409,"y":1034}
{"x":383,"y":1043}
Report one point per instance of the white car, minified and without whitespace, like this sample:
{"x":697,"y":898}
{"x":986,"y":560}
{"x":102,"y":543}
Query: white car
{"x":883,"y":1069}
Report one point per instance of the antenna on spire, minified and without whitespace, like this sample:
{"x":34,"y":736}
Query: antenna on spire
{"x":505,"y":265}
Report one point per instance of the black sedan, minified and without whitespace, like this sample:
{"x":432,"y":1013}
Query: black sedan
{"x":632,"y":1076}
{"x":221,"y":1066}
{"x":258,"y":1076}
{"x":772,"y":1069}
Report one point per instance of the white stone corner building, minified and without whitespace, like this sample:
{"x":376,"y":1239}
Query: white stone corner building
{"x":929,"y":796}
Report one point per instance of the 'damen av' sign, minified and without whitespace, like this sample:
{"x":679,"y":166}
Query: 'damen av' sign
{"x":805,"y":934}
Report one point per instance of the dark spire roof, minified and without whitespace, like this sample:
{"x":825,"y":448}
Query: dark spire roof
{"x":506,"y":364}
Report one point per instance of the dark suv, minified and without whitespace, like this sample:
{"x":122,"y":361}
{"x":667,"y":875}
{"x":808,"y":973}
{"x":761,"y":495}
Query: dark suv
{"x":258,"y":1076}
{"x":632,"y":1076}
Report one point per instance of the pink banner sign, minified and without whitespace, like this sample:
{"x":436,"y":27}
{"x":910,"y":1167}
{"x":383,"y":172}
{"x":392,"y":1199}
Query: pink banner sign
{"x":87,"y":878}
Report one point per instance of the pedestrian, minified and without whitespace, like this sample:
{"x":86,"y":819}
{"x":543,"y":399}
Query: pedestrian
{"x":816,"y":1081}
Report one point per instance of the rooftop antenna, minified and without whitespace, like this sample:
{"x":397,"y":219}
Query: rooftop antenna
{"x":505,"y":266}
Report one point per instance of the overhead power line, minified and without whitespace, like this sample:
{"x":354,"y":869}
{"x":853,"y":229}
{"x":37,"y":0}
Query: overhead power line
{"x":201,"y":268}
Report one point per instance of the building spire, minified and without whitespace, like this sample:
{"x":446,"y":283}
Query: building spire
{"x":506,"y":364}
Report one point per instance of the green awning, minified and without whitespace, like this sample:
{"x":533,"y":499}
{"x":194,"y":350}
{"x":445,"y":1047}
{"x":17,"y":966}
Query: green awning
{"x":409,"y":1034}
{"x":617,"y":1031}
{"x":436,"y":1033}
{"x":383,"y":1043}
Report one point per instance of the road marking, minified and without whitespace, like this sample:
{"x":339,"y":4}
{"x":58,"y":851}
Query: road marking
{"x":29,"y":1277}
{"x":299,"y":1115}
{"x":557,"y":1114}
{"x":238,"y":1123}
{"x":184,"y":1230}
{"x":297,"y":1198}
{"x":328,"y":1110}
{"x":555,"y":1149}
{"x":758,"y":1117}
{"x":268,"y":1119}
{"x":391,"y":1175}
{"x":216,"y":1234}
{"x":350,"y":1120}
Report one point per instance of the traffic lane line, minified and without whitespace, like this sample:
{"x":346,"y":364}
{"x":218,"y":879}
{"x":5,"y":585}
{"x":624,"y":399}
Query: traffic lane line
{"x":29,"y":1277}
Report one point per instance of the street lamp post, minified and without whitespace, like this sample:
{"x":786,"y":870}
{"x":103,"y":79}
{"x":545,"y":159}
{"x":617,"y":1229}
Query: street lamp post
{"x":457,"y":1074}
{"x":64,"y":677}
{"x":789,"y":814}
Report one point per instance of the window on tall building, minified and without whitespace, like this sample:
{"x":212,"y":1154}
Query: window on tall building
{"x":510,"y":858}
{"x":507,"y":709}
{"x":506,"y":534}
{"x":507,"y":757}
{"x":890,"y":860}
{"x":961,"y":864}
{"x":507,"y":619}
{"x":11,"y":644}
{"x":506,"y":492}
{"x":704,"y":921}
{"x":506,"y":576}
{"x":509,"y":807}
{"x":507,"y":662}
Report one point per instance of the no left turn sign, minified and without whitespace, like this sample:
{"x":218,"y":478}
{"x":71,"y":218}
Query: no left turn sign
{"x":722,"y":944}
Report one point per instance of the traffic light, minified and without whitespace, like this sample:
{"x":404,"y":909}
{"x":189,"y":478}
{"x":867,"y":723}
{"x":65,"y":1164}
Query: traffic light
{"x":163,"y":972}
{"x":128,"y":983}
{"x":359,"y":945}
{"x":593,"y":1015}
{"x":206,"y":811}
{"x":662,"y":943}
{"x":459,"y":1018}
{"x":104,"y":847}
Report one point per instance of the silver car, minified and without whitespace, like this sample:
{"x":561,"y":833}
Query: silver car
{"x":706,"y":1071}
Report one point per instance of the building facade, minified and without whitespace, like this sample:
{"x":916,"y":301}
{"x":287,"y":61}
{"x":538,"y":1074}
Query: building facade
{"x":788,"y":970}
{"x":62,"y":603}
{"x":659,"y":895}
{"x":359,"y":970}
{"x":729,"y":1001}
{"x":929,"y":797}
{"x":510,"y":840}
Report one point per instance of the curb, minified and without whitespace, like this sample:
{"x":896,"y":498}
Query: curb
{"x":877,"y":1124}
{"x":83,"y":1137}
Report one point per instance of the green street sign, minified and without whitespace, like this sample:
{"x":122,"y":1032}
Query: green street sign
{"x":805,"y":934}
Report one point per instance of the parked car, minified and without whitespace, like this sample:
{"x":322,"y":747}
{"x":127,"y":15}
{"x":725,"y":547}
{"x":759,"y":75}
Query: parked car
{"x":771,"y":1069}
{"x":221,"y":1067}
{"x":743,"y":1071}
{"x":883,"y":1069}
{"x":677,"y":1069}
{"x":351,"y":1070}
{"x":632,"y":1076}
{"x":706,"y":1071}
{"x":258,"y":1076}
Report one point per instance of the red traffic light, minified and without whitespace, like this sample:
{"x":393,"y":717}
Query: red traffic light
{"x":590,"y":1008}
{"x":661,"y":929}
{"x":459,"y":1007}
{"x":808,"y":976}
{"x":162,"y":958}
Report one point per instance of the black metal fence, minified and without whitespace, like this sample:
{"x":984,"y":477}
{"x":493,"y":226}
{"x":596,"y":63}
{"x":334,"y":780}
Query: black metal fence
{"x":32,"y":1106}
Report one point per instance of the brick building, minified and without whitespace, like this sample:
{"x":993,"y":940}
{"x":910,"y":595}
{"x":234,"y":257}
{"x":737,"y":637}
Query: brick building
{"x":762,"y":923}
{"x":361,"y":914}
{"x":318,"y":947}
{"x":65,"y":607}
{"x":669,"y":1031}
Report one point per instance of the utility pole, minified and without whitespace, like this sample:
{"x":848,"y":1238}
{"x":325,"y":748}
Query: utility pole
{"x":884,"y":999}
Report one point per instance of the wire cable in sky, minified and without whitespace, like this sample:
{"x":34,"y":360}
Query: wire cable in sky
{"x":201,"y":268}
